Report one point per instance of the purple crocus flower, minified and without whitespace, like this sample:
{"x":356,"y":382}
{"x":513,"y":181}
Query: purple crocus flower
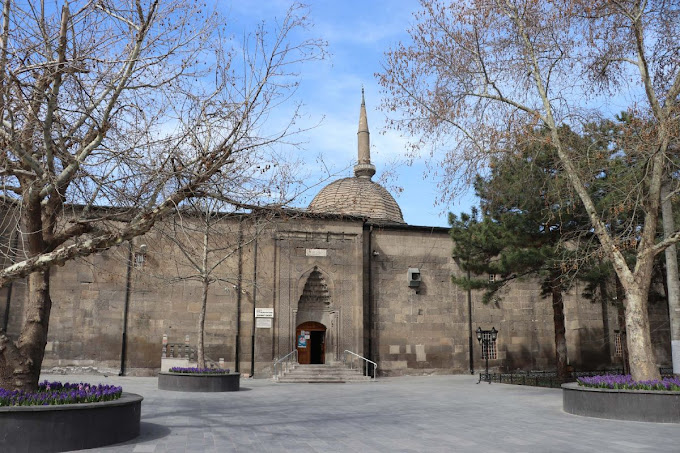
{"x":198,"y":370}
{"x":626,"y":382}
{"x":55,"y":393}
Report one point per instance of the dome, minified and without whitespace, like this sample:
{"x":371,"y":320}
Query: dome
{"x":360,"y":197}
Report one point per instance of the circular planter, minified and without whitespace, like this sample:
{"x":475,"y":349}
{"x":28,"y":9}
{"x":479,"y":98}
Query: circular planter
{"x":69,"y":426}
{"x":635,"y":405}
{"x":193,"y":382}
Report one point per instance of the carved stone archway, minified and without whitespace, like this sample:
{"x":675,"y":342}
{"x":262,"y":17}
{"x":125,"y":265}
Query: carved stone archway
{"x":316,"y":305}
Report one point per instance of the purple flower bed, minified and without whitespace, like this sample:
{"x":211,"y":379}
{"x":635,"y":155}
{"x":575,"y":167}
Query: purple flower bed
{"x":178,"y":369}
{"x":626,"y":382}
{"x":56,"y":393}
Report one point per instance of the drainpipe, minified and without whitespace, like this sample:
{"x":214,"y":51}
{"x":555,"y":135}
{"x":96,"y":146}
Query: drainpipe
{"x":370,"y":293}
{"x":275,"y":327}
{"x":237,"y":358}
{"x":252,"y":343}
{"x":14,"y":243}
{"x":469,"y":301}
{"x":126,"y":309}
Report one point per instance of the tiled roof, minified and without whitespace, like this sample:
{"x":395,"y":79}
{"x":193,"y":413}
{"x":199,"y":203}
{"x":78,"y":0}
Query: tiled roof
{"x":357,"y":196}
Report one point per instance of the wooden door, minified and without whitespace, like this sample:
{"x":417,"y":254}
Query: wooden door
{"x":310,"y":343}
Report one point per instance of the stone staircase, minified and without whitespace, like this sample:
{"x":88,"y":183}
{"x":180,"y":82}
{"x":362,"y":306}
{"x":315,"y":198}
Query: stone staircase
{"x":327,"y":373}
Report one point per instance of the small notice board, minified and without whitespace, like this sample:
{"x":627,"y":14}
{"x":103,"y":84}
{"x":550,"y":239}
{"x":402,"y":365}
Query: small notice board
{"x":263,"y":323}
{"x":264,"y":312}
{"x":302,"y":340}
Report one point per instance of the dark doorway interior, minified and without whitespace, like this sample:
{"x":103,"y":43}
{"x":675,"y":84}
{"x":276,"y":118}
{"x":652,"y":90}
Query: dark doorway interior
{"x":317,"y":347}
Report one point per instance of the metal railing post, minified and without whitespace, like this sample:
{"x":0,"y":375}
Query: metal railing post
{"x":284,"y":361}
{"x":366,"y":361}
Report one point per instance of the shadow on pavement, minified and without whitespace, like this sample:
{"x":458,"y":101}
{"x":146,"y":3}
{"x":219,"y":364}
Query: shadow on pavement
{"x":150,"y":431}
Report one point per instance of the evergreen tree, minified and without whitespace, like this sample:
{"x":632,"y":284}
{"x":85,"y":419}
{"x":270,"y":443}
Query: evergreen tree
{"x":525,"y":220}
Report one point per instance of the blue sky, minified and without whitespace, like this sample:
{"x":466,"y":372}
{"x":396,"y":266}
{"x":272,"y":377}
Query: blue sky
{"x":358,"y":34}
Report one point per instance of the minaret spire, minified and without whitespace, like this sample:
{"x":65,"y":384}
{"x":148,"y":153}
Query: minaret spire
{"x":364,"y":168}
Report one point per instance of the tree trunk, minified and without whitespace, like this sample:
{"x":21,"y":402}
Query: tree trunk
{"x":604,"y":303}
{"x":206,"y":285}
{"x":636,"y":284}
{"x":21,"y":361}
{"x":641,"y":353}
{"x":672,"y":280}
{"x":560,"y":333}
{"x":621,"y":315}
{"x":201,"y":324}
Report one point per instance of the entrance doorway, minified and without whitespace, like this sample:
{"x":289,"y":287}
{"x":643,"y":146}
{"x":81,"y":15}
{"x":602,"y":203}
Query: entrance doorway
{"x":310,"y":340}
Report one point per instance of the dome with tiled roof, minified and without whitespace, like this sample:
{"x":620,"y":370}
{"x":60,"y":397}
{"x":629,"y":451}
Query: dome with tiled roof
{"x":359,"y":195}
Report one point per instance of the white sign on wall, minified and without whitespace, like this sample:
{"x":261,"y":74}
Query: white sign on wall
{"x":264,"y":312}
{"x":263,"y":323}
{"x":316,"y":252}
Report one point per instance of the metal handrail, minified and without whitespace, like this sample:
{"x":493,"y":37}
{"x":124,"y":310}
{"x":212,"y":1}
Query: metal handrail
{"x":280,"y":362}
{"x":366,"y":362}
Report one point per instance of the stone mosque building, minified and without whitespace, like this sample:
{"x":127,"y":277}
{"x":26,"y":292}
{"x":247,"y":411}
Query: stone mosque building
{"x":346,"y":274}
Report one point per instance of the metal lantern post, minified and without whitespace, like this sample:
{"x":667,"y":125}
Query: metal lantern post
{"x":486,"y":338}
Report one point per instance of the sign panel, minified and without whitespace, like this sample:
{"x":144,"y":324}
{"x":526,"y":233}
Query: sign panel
{"x":302,"y":341}
{"x":263,"y":323}
{"x":264,"y":312}
{"x":316,"y":252}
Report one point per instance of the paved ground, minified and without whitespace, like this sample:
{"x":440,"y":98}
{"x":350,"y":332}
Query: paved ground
{"x":406,"y":414}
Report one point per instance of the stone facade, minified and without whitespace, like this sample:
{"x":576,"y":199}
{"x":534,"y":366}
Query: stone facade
{"x":343,"y":272}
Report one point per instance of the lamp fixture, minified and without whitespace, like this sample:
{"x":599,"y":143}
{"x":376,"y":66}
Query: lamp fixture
{"x":487,"y":338}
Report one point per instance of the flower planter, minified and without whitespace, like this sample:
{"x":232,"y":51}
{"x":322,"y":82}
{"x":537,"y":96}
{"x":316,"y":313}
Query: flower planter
{"x":635,"y":405}
{"x":193,"y":382}
{"x":69,"y":426}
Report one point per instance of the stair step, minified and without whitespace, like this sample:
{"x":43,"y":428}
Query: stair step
{"x":291,"y":380}
{"x":307,"y":370}
{"x":323,"y":373}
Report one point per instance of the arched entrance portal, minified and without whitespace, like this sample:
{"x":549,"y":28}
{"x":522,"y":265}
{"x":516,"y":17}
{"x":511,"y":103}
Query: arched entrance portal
{"x":310,"y":340}
{"x":316,"y":316}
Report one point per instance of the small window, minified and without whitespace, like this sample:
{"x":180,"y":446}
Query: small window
{"x":488,"y":347}
{"x":139,"y":259}
{"x":618,"y":345}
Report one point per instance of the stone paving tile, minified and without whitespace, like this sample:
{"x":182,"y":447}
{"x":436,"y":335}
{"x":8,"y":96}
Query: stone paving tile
{"x":144,"y":448}
{"x":406,"y":414}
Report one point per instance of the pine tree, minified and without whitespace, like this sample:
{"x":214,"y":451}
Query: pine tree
{"x":527,"y":216}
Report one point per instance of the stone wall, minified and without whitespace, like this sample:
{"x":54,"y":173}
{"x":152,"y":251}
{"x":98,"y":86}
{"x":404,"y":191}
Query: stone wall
{"x":266,"y":262}
{"x":423,"y":329}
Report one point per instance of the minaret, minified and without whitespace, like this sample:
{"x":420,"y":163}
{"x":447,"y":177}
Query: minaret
{"x":364,"y":168}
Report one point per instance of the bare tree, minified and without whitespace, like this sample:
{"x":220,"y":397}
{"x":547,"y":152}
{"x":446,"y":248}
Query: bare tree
{"x":100,"y":105}
{"x":478,"y":72}
{"x":205,"y":239}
